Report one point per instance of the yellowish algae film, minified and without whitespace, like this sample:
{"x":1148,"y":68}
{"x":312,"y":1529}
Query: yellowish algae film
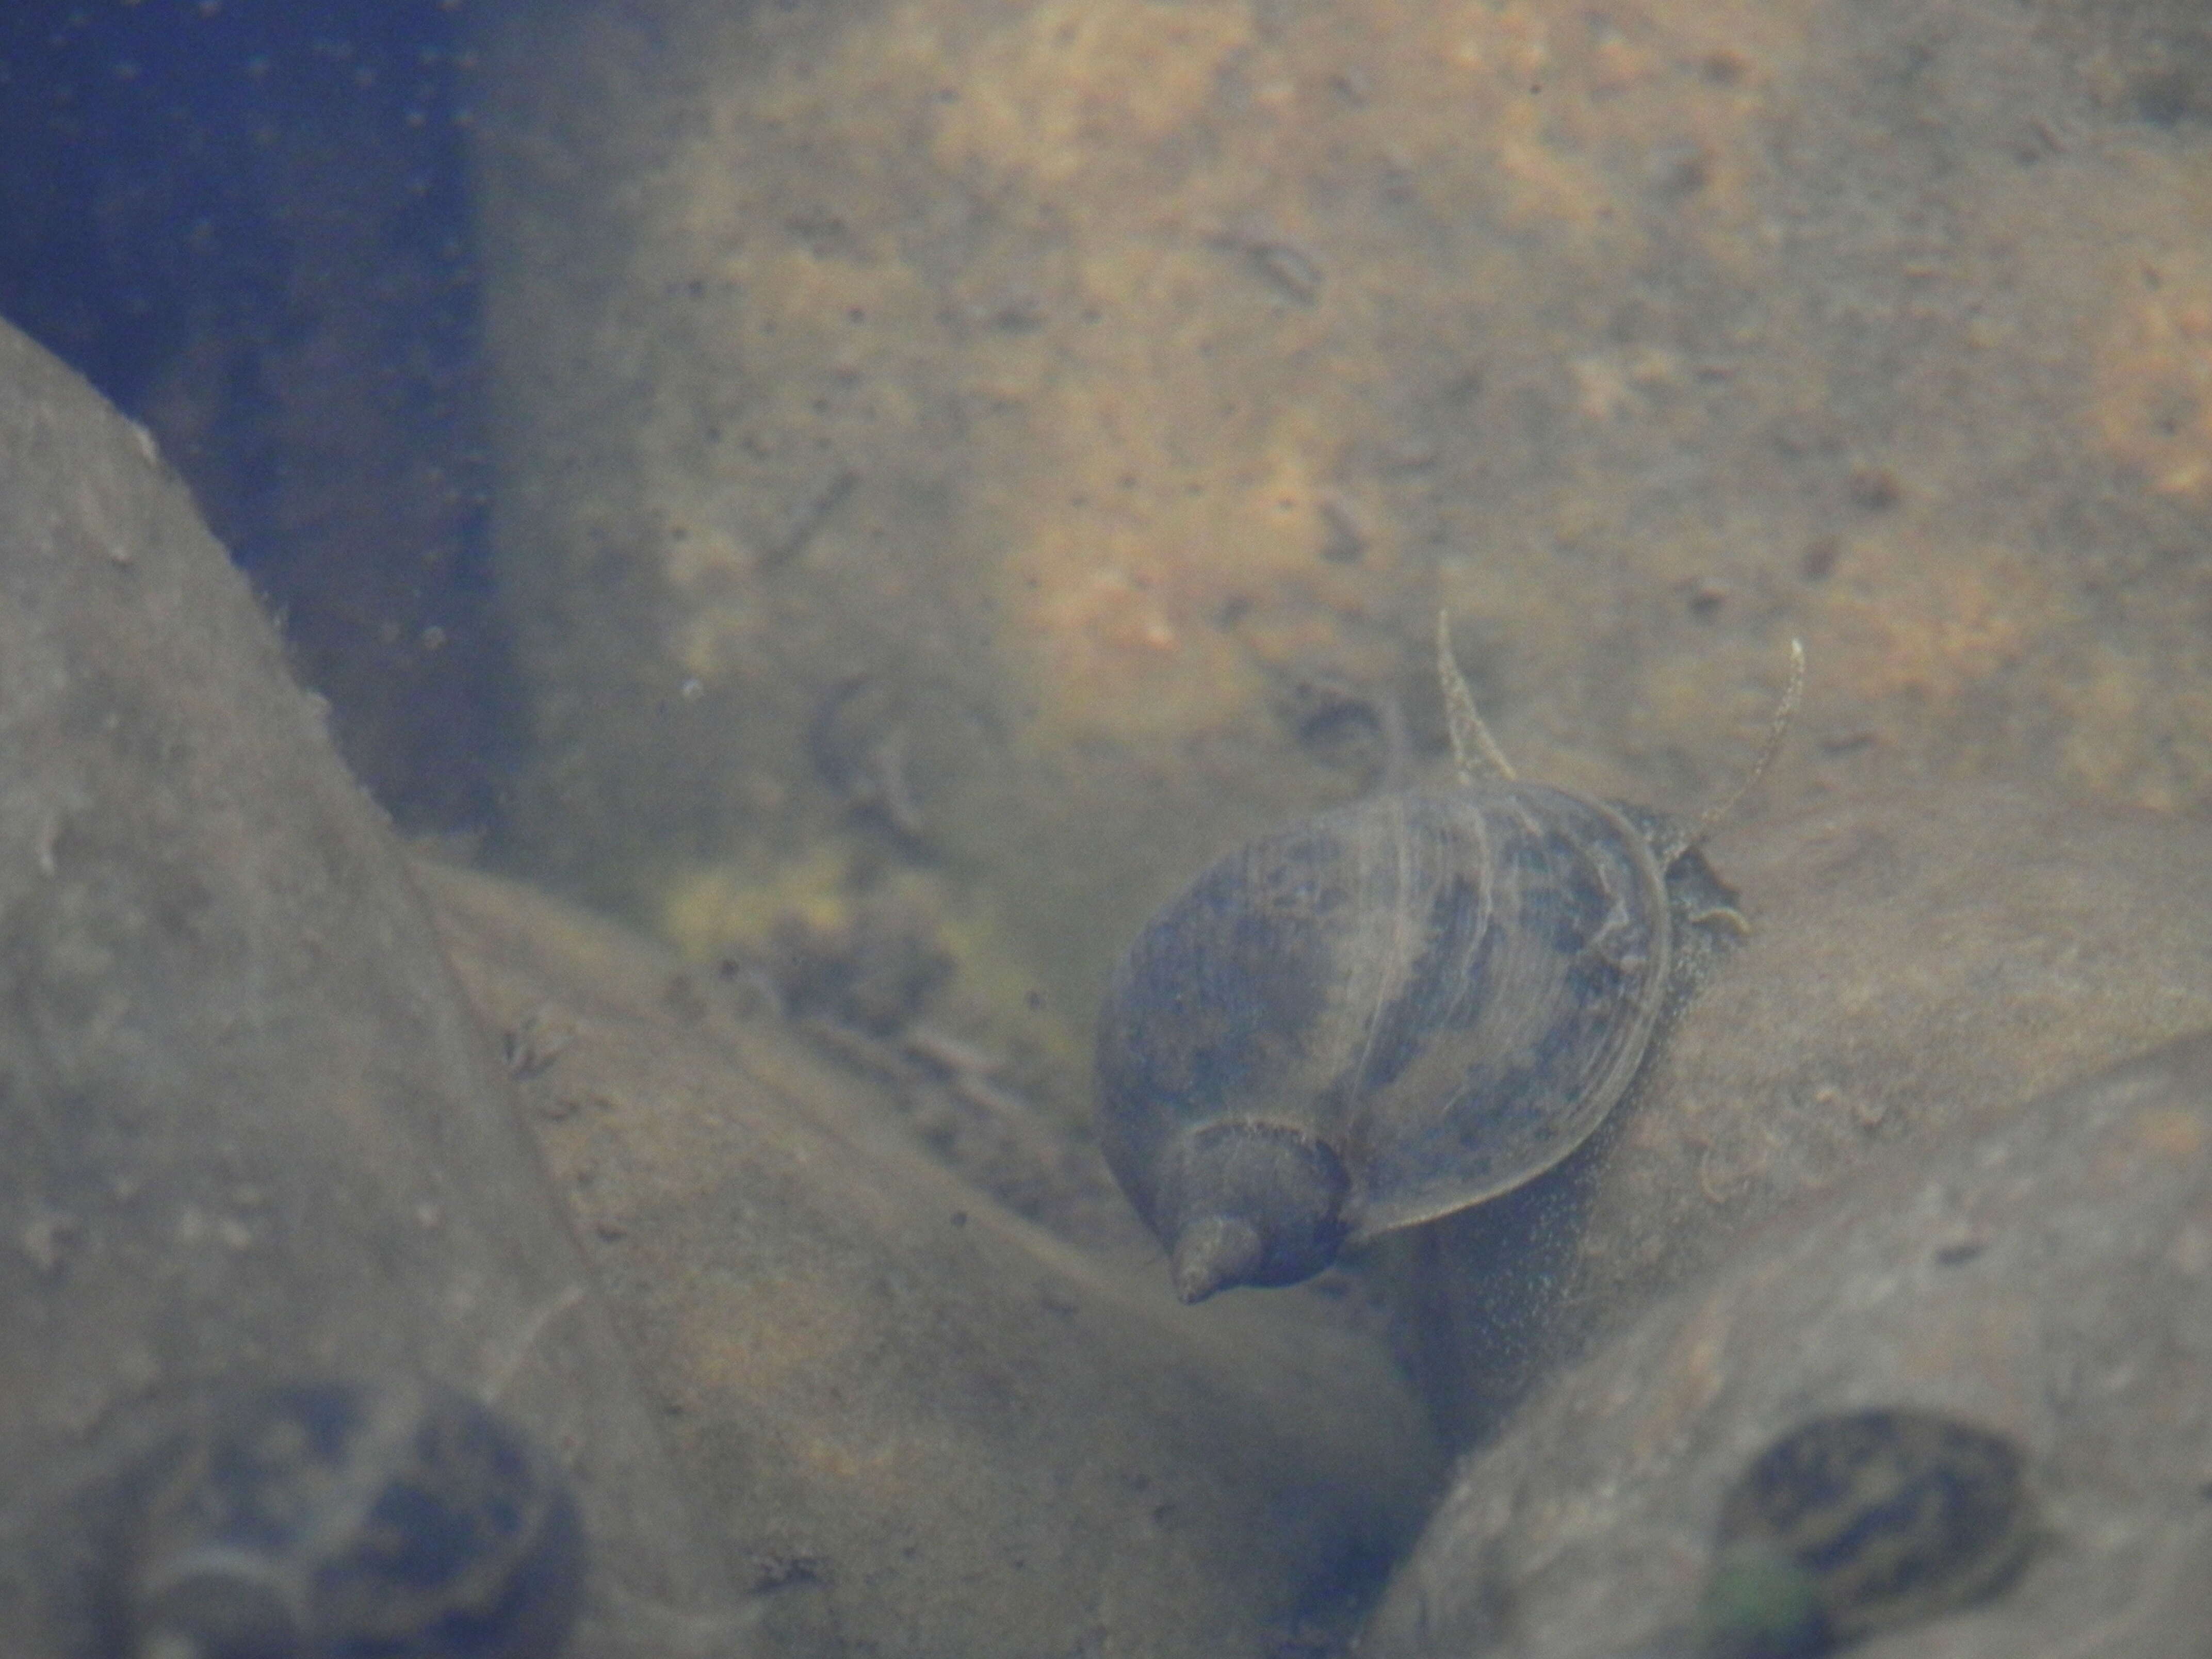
{"x":1183,"y":392}
{"x":2152,"y":406}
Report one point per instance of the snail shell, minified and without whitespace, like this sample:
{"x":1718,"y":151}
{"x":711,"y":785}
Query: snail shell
{"x":318,"y":1520}
{"x":1389,"y":1012}
{"x":1859,"y":1523}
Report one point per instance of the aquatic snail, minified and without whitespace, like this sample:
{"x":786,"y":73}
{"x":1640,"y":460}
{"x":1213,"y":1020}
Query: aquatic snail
{"x":1859,"y":1523}
{"x":1395,"y":1009}
{"x":339,"y":1521}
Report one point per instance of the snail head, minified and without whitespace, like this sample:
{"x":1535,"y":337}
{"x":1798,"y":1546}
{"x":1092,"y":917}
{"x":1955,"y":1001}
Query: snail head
{"x":1249,"y":1203}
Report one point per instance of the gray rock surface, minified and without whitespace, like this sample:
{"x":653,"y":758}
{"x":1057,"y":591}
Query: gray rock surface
{"x":927,"y":1425}
{"x":253,"y":1131}
{"x":2045,"y":1274}
{"x":248,"y":1126}
{"x":1920,"y":960}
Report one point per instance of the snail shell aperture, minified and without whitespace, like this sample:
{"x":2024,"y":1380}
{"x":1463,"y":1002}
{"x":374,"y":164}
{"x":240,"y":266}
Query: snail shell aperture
{"x":1389,"y":1012}
{"x":317,"y":1520}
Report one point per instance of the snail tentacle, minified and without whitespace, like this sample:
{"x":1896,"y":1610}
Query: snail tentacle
{"x":1474,"y":751}
{"x":1777,"y":729}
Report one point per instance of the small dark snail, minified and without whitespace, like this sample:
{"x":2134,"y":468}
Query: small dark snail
{"x":1393,"y":1011}
{"x":1857,"y":1524}
{"x":336,"y":1521}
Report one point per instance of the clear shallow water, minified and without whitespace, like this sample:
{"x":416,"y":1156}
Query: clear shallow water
{"x":1630,"y":472}
{"x":246,"y":222}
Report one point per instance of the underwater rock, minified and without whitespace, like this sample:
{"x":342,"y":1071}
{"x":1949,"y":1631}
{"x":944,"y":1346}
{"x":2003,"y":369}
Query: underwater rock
{"x":2043,"y":1274}
{"x":1919,"y":960}
{"x":248,"y":1123}
{"x":929,"y":1425}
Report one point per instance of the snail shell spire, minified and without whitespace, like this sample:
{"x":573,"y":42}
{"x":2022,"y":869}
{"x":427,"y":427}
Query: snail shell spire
{"x":1249,"y":1203}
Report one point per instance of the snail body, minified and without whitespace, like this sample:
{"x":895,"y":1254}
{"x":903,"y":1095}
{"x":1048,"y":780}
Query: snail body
{"x":1388,"y":1012}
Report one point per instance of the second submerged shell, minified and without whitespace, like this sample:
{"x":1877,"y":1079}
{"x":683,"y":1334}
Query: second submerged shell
{"x":341,"y":1521}
{"x":1859,"y":1522}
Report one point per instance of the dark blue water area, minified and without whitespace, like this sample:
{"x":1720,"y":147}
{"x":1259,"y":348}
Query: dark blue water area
{"x":247,"y":222}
